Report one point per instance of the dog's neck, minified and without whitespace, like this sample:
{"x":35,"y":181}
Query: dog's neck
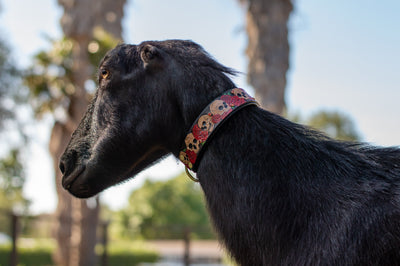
{"x":208,"y":122}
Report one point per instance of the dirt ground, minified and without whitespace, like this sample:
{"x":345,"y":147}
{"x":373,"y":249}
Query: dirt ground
{"x":199,"y":249}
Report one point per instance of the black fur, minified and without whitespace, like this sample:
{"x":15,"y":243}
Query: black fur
{"x":278,"y":193}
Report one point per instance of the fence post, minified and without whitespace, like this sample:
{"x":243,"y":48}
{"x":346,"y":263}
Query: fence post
{"x":104,"y":257}
{"x":186,"y":239}
{"x":14,"y":235}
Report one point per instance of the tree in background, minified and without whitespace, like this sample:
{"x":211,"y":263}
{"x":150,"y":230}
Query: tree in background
{"x":268,"y":50}
{"x":163,"y":209}
{"x":60,"y":82}
{"x":12,"y":176}
{"x":51,"y":85}
{"x":335,"y":124}
{"x":268,"y":54}
{"x":8,"y":91}
{"x":12,"y":179}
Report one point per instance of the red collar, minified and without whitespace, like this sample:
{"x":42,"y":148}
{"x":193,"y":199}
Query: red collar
{"x":206,"y":124}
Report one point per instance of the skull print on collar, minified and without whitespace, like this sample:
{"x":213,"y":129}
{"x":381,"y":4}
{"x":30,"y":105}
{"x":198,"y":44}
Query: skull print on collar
{"x":208,"y":121}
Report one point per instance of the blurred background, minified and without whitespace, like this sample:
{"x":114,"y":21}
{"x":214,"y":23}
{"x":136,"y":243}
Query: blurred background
{"x":333,"y":65}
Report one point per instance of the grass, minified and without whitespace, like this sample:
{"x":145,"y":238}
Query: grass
{"x":30,"y":253}
{"x":126,"y":253}
{"x":38,"y":252}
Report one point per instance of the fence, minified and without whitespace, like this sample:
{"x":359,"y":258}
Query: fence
{"x":15,"y":231}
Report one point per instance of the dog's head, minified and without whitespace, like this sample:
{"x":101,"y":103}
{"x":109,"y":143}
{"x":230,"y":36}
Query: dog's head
{"x":148,"y":95}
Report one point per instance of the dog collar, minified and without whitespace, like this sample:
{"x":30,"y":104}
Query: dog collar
{"x":207,"y":123}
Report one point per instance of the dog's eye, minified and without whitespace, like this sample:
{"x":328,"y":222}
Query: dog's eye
{"x":104,"y":73}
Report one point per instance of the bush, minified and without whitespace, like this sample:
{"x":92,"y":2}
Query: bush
{"x":128,"y":259}
{"x":33,"y":252}
{"x":26,"y":256}
{"x":127,"y":253}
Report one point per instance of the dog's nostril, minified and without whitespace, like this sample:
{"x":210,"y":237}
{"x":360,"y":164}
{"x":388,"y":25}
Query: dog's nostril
{"x":62,"y":167}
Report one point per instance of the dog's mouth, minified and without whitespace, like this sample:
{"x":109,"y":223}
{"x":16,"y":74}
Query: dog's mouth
{"x":94,"y":175}
{"x":68,"y":180}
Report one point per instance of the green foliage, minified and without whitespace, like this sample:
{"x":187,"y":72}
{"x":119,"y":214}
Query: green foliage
{"x":50,"y":78}
{"x":100,"y":45}
{"x":27,"y":257}
{"x":11,"y":170}
{"x":163,"y":209}
{"x":9,"y":75}
{"x":131,"y":259}
{"x":32,"y":252}
{"x":12,"y":179}
{"x":129,"y":253}
{"x":227,"y":260}
{"x":335,"y":124}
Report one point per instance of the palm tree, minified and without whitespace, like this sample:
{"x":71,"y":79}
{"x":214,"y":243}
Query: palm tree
{"x":78,"y":23}
{"x":85,"y":24}
{"x":268,"y":50}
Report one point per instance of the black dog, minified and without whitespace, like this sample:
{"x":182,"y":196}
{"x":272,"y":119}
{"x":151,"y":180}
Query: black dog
{"x":278,"y":193}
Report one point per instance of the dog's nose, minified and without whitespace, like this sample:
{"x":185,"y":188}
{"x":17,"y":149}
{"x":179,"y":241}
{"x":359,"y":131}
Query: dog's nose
{"x":70,"y":168}
{"x":62,"y":167}
{"x":67,"y":162}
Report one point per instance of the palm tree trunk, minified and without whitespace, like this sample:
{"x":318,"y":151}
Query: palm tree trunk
{"x":84,"y":219}
{"x":76,"y":228}
{"x":268,"y":50}
{"x":77,"y":219}
{"x":62,"y":230}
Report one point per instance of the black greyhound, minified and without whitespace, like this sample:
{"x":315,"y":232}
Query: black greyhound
{"x":278,"y":193}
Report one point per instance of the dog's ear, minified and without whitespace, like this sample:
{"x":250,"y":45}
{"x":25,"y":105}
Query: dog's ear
{"x":151,"y":56}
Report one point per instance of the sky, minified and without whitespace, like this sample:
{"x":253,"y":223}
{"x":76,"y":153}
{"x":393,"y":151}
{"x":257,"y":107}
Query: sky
{"x":344,"y":56}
